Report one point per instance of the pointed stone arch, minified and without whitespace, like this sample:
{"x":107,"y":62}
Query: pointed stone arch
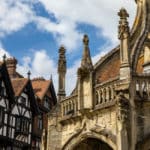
{"x":92,"y":143}
{"x":78,"y":138}
{"x":140,"y":31}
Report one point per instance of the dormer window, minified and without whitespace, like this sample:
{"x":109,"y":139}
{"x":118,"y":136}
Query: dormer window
{"x":46,"y":102}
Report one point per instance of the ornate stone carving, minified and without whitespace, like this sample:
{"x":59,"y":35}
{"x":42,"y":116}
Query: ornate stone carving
{"x":123,"y":107}
{"x":62,"y":60}
{"x":86,"y":61}
{"x":124,"y":30}
{"x":86,"y":40}
{"x":82,"y":72}
{"x":62,"y":73}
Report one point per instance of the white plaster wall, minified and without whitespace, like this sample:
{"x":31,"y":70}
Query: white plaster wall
{"x":2,"y":103}
{"x":15,"y":110}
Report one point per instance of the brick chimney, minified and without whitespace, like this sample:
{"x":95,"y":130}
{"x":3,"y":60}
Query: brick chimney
{"x":11,"y":67}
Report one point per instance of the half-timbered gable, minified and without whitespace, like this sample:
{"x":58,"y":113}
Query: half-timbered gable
{"x":46,"y":99}
{"x":6,"y":102}
{"x":22,"y":113}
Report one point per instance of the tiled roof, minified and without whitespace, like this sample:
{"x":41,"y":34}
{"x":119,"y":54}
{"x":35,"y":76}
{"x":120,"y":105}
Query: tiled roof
{"x":40,"y":87}
{"x":108,"y":55}
{"x":109,"y":68}
{"x":18,"y":85}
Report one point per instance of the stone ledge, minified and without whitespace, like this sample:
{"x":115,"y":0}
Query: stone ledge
{"x":105,"y":105}
{"x":70,"y":118}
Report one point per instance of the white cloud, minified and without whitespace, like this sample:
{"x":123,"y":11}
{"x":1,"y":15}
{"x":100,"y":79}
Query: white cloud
{"x":102,"y":14}
{"x":71,"y":76}
{"x":13,"y":16}
{"x":24,"y":67}
{"x":99,"y":13}
{"x":41,"y":65}
{"x":3,"y":52}
{"x":64,"y":32}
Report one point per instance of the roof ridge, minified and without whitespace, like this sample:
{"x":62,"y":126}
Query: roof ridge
{"x":39,"y":79}
{"x":103,"y":58}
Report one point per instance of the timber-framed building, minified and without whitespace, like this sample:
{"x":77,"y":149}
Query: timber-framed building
{"x":24,"y":105}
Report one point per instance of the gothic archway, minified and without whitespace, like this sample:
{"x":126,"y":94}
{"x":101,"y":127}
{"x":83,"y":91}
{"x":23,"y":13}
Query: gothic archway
{"x":93,"y":137}
{"x":92,"y":144}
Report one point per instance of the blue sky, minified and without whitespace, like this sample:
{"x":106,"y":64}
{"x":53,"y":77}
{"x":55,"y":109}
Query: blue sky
{"x":33,"y":30}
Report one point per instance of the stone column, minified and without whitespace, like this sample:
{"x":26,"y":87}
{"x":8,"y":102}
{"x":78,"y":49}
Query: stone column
{"x":122,"y":119}
{"x":61,"y":73}
{"x":85,"y":78}
{"x":124,"y":36}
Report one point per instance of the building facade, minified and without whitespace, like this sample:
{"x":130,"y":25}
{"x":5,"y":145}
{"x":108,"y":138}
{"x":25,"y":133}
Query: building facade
{"x":46,"y":100}
{"x":18,"y":108}
{"x":24,"y":106}
{"x":109,"y":109}
{"x":6,"y":103}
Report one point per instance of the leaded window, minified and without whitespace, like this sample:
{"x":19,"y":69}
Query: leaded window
{"x":40,"y":122}
{"x":22,"y":125}
{"x":46,"y":102}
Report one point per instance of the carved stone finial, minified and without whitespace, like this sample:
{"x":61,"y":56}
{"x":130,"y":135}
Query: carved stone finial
{"x":123,"y":13}
{"x":85,"y":40}
{"x":29,"y":74}
{"x":86,"y":61}
{"x":124,"y":30}
{"x":4,"y":58}
{"x":123,"y":106}
{"x":62,"y":49}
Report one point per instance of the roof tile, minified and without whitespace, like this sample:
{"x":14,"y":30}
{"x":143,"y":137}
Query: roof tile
{"x":40,"y":87}
{"x":109,"y":69}
{"x":18,"y":85}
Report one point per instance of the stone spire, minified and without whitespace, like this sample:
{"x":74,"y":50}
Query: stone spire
{"x":124,"y":36}
{"x":61,"y":73}
{"x":85,"y":78}
{"x":86,"y":61}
